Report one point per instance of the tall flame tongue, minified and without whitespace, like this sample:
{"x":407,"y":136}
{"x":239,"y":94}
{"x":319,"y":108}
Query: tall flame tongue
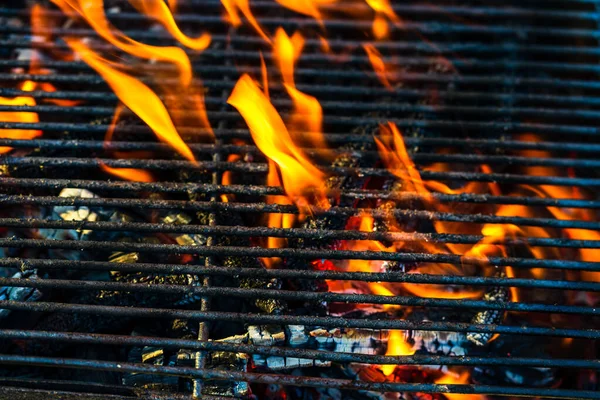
{"x":17,"y":116}
{"x":232,"y":7}
{"x":161,"y":13}
{"x":93,"y":12}
{"x":396,"y":346}
{"x":138,"y":97}
{"x":308,"y":113}
{"x":299,"y":176}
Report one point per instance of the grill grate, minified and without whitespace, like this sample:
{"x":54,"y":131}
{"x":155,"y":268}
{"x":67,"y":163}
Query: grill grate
{"x":475,"y":77}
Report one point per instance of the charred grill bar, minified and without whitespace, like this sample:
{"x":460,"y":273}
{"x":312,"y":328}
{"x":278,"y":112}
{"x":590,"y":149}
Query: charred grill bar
{"x":124,"y":290}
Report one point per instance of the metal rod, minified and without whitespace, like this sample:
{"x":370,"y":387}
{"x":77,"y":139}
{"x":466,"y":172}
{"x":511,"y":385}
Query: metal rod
{"x":417,"y":359}
{"x":290,"y":232}
{"x":394,"y":277}
{"x":291,"y":379}
{"x":210,"y":292}
{"x":300,"y":253}
{"x":338,"y":322}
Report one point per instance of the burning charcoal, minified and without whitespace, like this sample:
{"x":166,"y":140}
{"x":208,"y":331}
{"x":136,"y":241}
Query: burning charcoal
{"x":514,"y":346}
{"x":15,"y":293}
{"x":436,"y":342}
{"x":491,"y":317}
{"x":186,"y":239}
{"x":221,"y":360}
{"x":363,"y":341}
{"x":154,"y":356}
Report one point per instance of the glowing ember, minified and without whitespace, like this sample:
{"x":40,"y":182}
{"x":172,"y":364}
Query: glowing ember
{"x":232,"y":7}
{"x":93,"y":12}
{"x":160,"y":11}
{"x":17,"y":116}
{"x":299,"y":176}
{"x":138,"y":97}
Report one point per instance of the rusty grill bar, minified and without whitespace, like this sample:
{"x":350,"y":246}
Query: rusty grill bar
{"x":529,"y":67}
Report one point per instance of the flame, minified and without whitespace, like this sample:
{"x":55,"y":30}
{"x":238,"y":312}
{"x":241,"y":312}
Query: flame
{"x":130,"y":174}
{"x":382,"y":70}
{"x":93,"y":12}
{"x":308,"y":113}
{"x":277,"y":220}
{"x":232,"y":7}
{"x":383,"y":12}
{"x":299,"y":176}
{"x":307,"y":7}
{"x":17,"y":116}
{"x":162,"y":13}
{"x":138,"y":97}
{"x":462,"y":379}
{"x":396,"y":346}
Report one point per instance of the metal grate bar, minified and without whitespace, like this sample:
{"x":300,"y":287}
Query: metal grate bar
{"x":416,"y":359}
{"x":291,"y":232}
{"x":338,"y":322}
{"x":293,"y":380}
{"x":8,"y":199}
{"x":302,"y":253}
{"x":395,"y":277}
{"x":210,"y":292}
{"x":200,"y":148}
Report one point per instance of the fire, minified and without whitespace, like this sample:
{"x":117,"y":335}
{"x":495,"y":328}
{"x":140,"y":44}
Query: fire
{"x":308,"y":113}
{"x":277,"y":220}
{"x":383,"y":12}
{"x":298,"y":174}
{"x":17,"y":116}
{"x":382,"y":70}
{"x":93,"y":12}
{"x":396,"y":346}
{"x":232,"y":7}
{"x":162,"y":13}
{"x":130,"y":174}
{"x":138,"y":97}
{"x":307,"y":7}
{"x":462,"y":379}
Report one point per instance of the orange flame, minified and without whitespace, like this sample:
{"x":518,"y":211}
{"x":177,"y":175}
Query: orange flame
{"x":232,"y":7}
{"x":396,"y":346}
{"x":449,"y":379}
{"x":383,"y":12}
{"x":130,"y":174}
{"x":17,"y":116}
{"x":307,"y":7}
{"x":277,"y":220}
{"x":308,"y":113}
{"x":93,"y":12}
{"x":138,"y":97}
{"x":299,"y":176}
{"x":382,"y":70}
{"x":162,"y":13}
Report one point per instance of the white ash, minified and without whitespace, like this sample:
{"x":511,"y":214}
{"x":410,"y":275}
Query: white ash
{"x":15,"y":293}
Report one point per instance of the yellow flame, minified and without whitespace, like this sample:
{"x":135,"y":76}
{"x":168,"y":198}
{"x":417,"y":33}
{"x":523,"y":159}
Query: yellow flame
{"x":307,"y":7}
{"x":17,"y":116}
{"x":308,"y":113}
{"x":299,"y":176}
{"x":232,"y":7}
{"x":138,"y":97}
{"x":396,"y":346}
{"x":162,"y":13}
{"x":449,"y":379}
{"x":93,"y":12}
